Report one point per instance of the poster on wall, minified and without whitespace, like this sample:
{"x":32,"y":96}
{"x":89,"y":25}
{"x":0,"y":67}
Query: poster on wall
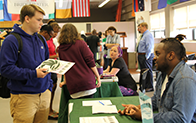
{"x":14,"y":6}
{"x":140,"y":17}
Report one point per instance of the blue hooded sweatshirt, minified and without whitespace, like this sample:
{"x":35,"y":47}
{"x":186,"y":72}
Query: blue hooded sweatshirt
{"x":23,"y":77}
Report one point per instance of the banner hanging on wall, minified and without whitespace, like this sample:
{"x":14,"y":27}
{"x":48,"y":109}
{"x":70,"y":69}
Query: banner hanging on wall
{"x":140,"y":17}
{"x":14,"y":6}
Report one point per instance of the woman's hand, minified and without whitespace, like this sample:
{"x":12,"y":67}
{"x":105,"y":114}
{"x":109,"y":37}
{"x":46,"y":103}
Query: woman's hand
{"x":99,"y":82}
{"x":61,"y":84}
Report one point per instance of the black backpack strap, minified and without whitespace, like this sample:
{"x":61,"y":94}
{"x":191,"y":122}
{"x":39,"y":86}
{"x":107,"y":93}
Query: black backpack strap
{"x":20,"y":44}
{"x":42,"y":39}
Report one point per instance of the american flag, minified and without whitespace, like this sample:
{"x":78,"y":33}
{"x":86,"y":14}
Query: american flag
{"x":141,"y":5}
{"x":81,"y":8}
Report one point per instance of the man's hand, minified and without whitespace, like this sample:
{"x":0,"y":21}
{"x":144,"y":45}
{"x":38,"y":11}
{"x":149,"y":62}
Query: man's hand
{"x":134,"y":112}
{"x":123,"y":112}
{"x":131,"y":110}
{"x":41,"y":73}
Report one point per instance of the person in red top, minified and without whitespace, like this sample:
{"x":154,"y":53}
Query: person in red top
{"x":80,"y":79}
{"x":53,"y":55}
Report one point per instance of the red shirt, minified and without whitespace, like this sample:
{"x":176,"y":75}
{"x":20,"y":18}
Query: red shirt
{"x":51,"y":47}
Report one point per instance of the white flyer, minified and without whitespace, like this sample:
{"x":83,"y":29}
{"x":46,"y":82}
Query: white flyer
{"x":56,"y":66}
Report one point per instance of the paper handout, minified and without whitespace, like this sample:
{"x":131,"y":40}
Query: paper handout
{"x":56,"y":66}
{"x":96,"y":102}
{"x":104,"y":119}
{"x":104,"y":109}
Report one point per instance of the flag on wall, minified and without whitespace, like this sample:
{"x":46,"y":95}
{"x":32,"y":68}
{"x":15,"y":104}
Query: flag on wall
{"x":49,"y":16}
{"x":8,"y":16}
{"x":183,"y":0}
{"x":147,"y":5}
{"x":141,"y":5}
{"x":162,"y":4}
{"x":1,"y":10}
{"x":133,"y":12}
{"x":171,"y":1}
{"x":81,"y":8}
{"x":119,"y":9}
{"x":63,"y":9}
{"x":136,"y":5}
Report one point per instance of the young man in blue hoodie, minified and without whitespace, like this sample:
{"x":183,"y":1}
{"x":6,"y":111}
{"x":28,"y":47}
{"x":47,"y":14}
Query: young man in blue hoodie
{"x":30,"y":87}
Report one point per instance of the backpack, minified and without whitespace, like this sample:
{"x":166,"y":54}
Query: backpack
{"x":4,"y":90}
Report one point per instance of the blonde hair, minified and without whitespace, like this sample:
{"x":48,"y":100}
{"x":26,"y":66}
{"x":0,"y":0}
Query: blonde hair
{"x":29,"y":10}
{"x":69,"y":34}
{"x":144,"y":24}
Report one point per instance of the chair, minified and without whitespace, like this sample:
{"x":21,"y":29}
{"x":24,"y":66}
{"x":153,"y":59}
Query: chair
{"x":142,"y":82}
{"x":191,"y":56}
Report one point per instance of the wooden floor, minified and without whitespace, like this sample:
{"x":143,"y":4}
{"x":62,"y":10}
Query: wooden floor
{"x":134,"y":71}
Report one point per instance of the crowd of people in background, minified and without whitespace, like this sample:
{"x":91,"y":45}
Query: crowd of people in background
{"x":35,"y":88}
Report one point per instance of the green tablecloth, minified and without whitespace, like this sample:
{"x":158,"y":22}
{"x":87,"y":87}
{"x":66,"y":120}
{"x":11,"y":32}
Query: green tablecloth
{"x":86,"y":111}
{"x":107,"y":89}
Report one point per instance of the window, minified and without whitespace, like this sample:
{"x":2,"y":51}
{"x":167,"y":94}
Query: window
{"x":180,"y":18}
{"x":184,"y":17}
{"x":191,"y":16}
{"x":157,"y":22}
{"x":194,"y":34}
{"x":184,"y":21}
{"x":159,"y":33}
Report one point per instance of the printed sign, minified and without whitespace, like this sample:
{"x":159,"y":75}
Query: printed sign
{"x":146,"y":108}
{"x":14,"y":6}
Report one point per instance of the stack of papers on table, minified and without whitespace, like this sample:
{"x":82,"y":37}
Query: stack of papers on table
{"x":96,"y":102}
{"x":104,"y":109}
{"x":101,"y":106}
{"x":104,"y":119}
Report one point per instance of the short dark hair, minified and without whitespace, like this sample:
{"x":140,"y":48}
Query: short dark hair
{"x":94,"y":32}
{"x":99,"y":34}
{"x":112,"y":28}
{"x":175,"y":45}
{"x":47,"y":28}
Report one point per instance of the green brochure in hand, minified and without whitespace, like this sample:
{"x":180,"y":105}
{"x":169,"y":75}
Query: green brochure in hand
{"x":56,"y":66}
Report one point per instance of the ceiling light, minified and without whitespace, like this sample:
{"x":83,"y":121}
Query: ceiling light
{"x":103,"y":3}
